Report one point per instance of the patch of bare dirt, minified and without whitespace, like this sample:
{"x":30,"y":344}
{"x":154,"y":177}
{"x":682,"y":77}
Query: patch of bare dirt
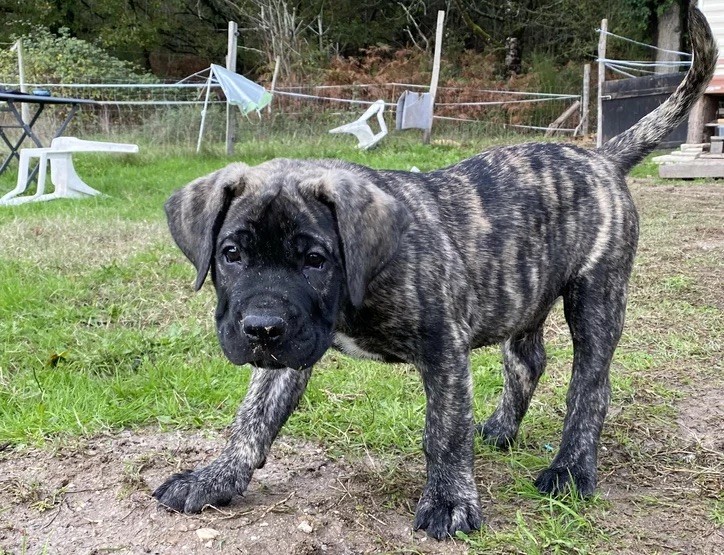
{"x":663,"y":488}
{"x":93,"y":497}
{"x":701,"y":418}
{"x":658,"y":523}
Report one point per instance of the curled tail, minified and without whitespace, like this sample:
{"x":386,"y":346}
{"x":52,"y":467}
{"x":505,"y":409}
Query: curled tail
{"x":632,"y":146}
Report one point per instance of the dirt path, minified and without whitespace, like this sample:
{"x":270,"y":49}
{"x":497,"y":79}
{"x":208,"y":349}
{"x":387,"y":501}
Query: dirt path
{"x":92,"y":497}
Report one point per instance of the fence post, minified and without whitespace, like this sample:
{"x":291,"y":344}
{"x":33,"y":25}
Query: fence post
{"x":25,"y":109}
{"x":435,"y":73}
{"x":231,"y":66}
{"x":585,"y":99}
{"x":601,"y":79}
{"x":274,"y":81}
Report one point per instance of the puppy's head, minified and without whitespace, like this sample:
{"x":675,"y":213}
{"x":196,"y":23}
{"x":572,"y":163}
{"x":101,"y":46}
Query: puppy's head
{"x":288,"y":244}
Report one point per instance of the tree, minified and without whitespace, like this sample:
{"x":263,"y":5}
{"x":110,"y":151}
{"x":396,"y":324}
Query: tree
{"x":130,"y":29}
{"x":668,"y":35}
{"x":306,"y":34}
{"x":51,"y":58}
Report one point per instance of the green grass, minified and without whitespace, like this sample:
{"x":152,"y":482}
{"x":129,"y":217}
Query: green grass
{"x":717,"y":512}
{"x":99,"y":327}
{"x":100,"y":330}
{"x":98,"y":324}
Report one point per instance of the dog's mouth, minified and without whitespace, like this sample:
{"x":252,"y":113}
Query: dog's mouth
{"x":296,"y":350}
{"x":262,"y":356}
{"x":267,"y":363}
{"x":274,"y":359}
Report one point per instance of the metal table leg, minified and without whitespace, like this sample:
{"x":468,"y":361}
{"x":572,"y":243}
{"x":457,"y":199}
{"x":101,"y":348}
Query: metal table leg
{"x":27,"y":132}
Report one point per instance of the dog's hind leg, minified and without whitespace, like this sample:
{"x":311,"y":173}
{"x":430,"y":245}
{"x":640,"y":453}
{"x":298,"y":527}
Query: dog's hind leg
{"x":595,"y":307}
{"x":524,"y":359}
{"x":270,"y":399}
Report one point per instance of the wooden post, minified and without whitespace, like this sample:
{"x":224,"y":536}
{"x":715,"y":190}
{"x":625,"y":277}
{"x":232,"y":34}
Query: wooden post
{"x":668,"y":37}
{"x":703,"y":112}
{"x":321,"y":32}
{"x":560,"y":120}
{"x":231,"y":66}
{"x":435,"y":73}
{"x":601,"y":79}
{"x":24,"y":108}
{"x":585,"y":99}
{"x":274,"y":81}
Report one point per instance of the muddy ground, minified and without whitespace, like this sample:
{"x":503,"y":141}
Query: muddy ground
{"x":661,"y":485}
{"x":93,"y":497}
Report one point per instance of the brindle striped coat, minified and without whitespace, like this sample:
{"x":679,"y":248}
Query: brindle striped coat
{"x":422,"y":268}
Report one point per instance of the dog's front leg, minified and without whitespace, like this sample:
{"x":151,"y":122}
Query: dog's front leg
{"x":449,"y":502}
{"x":271,"y":398}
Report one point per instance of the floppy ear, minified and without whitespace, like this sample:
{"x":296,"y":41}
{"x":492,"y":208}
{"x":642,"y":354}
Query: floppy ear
{"x":371,"y":224}
{"x":196,"y":212}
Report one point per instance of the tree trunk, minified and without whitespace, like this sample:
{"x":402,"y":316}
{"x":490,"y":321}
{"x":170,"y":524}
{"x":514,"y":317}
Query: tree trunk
{"x":668,"y":36}
{"x":512,"y":56}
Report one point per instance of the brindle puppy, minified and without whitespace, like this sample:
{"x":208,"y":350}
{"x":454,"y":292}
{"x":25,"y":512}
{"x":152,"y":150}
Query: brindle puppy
{"x":422,"y":268}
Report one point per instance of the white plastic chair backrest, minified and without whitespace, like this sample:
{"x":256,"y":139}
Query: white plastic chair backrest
{"x":361,"y":129}
{"x":74,"y":144}
{"x":376,"y":107}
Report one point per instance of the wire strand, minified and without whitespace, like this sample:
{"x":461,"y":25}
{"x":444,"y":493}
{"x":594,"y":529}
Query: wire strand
{"x":626,"y":39}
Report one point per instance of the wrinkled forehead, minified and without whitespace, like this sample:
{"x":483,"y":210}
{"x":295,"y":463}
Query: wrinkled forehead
{"x":278,"y":212}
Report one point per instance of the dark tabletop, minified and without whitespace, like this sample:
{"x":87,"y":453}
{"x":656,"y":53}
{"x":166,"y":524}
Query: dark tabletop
{"x":38,"y":99}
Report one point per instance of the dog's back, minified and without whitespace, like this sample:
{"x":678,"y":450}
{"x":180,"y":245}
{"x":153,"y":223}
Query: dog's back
{"x":528,"y":219}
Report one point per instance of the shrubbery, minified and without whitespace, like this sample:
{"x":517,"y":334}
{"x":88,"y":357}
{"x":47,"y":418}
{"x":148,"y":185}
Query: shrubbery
{"x":61,"y":58}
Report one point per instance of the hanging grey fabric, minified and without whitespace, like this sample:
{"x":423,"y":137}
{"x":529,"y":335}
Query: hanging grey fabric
{"x":413,"y":111}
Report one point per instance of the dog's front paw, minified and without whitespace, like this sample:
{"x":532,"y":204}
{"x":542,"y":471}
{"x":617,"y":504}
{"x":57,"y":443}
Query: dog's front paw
{"x":190,"y":492}
{"x":444,"y":514}
{"x":558,"y":480}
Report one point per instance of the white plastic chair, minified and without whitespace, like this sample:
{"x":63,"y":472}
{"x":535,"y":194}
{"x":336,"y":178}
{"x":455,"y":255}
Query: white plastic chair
{"x":361,"y":129}
{"x":67,"y":182}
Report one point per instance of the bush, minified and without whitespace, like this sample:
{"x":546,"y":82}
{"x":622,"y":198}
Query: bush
{"x":51,"y":58}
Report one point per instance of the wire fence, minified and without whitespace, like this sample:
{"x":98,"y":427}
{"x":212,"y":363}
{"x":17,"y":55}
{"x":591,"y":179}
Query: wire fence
{"x":640,"y":68}
{"x":170,"y":113}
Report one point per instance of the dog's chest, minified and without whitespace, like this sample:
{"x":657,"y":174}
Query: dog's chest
{"x":350,"y":346}
{"x":370,"y":348}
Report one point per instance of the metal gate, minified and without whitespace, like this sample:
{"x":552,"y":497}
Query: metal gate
{"x":625,"y":101}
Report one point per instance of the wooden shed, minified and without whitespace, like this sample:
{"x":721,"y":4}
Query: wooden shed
{"x":714,"y":12}
{"x":706,"y":111}
{"x":702,"y":154}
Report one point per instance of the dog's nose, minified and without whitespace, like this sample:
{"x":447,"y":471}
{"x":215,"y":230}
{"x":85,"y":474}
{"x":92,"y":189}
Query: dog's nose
{"x":264,"y":329}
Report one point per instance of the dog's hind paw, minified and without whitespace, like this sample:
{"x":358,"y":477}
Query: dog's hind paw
{"x":189,"y":492}
{"x":495,"y":435}
{"x":561,"y":480}
{"x":442,"y":516}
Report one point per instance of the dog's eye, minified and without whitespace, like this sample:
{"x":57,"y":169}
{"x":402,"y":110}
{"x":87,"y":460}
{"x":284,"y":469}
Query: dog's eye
{"x":231,"y":254}
{"x":314,"y":260}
